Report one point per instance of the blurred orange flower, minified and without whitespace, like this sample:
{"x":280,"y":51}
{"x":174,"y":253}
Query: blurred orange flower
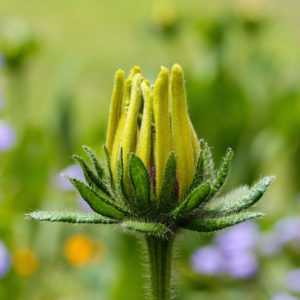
{"x":25,"y":262}
{"x":78,"y":250}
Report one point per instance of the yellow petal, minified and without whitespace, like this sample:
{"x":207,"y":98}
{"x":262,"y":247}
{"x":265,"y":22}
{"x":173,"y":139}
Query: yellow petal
{"x":115,"y":108}
{"x":128,"y":83}
{"x":130,"y":126}
{"x":162,"y":125}
{"x":116,"y":145}
{"x":195,"y":142}
{"x":181,"y":132}
{"x":144,"y":139}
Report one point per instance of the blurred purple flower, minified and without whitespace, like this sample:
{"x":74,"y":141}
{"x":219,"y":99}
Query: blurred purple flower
{"x":207,"y":260}
{"x":2,"y":61}
{"x":268,"y":244}
{"x":241,"y":265}
{"x":84,"y":206}
{"x":241,"y":237}
{"x":292,"y":281}
{"x":7,"y":136}
{"x":5,"y":260}
{"x":283,"y":296}
{"x":288,"y":230}
{"x":73,"y":171}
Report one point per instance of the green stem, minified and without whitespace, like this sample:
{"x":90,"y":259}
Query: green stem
{"x":160,"y":256}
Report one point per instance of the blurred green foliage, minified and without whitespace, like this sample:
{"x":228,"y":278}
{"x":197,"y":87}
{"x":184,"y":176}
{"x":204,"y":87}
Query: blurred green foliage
{"x":242,"y":64}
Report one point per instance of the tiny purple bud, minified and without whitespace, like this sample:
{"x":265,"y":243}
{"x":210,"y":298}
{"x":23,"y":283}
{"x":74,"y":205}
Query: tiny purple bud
{"x":5,"y":260}
{"x":73,"y":171}
{"x":7,"y":136}
{"x":207,"y":260}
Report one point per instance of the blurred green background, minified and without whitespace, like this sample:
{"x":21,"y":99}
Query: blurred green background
{"x":58,"y":58}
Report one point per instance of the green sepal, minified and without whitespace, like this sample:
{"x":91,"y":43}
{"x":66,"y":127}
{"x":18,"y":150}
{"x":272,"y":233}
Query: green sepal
{"x":96,"y":163}
{"x":222,"y":173}
{"x":193,"y":200}
{"x":145,"y":227}
{"x":167,"y":197}
{"x":199,"y":172}
{"x":99,"y":203}
{"x":120,"y":181}
{"x":239,"y":199}
{"x":208,"y":164}
{"x":140,"y":180}
{"x":107,"y":157}
{"x":209,"y":224}
{"x":90,"y":176}
{"x":69,"y":217}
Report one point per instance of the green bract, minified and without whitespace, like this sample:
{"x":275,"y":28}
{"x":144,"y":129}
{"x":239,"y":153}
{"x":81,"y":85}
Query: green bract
{"x":157,"y":177}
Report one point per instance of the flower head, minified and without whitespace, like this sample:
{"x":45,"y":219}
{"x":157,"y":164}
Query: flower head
{"x":157,"y":177}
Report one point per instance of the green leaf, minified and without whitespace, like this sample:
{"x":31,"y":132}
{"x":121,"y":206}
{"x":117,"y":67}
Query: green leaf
{"x":193,"y":200}
{"x":96,"y":163}
{"x":140,"y":179}
{"x":145,"y":227}
{"x":239,"y":199}
{"x":90,"y":176}
{"x":111,"y":180}
{"x":99,"y":203}
{"x":222,"y":173}
{"x":69,"y":217}
{"x":199,"y":172}
{"x":167,"y":196}
{"x":208,"y":224}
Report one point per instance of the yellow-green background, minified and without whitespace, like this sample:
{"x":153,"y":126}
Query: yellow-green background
{"x":242,"y":66}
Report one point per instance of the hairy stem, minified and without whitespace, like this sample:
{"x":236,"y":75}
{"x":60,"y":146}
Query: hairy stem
{"x":160,"y":256}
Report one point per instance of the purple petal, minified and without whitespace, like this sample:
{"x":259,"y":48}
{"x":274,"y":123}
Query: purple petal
{"x":283,"y":296}
{"x":292,"y":281}
{"x":241,"y":237}
{"x":288,"y":229}
{"x":241,"y":265}
{"x":207,"y":260}
{"x":5,"y":260}
{"x":269,"y":244}
{"x":7,"y":136}
{"x":73,"y":171}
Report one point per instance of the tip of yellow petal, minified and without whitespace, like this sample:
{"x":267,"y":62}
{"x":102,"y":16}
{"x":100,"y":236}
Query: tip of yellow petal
{"x":146,"y":83}
{"x":177,"y":71}
{"x":163,"y":71}
{"x":162,"y":78}
{"x":119,"y":76}
{"x":137,"y":79}
{"x":135,"y":70}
